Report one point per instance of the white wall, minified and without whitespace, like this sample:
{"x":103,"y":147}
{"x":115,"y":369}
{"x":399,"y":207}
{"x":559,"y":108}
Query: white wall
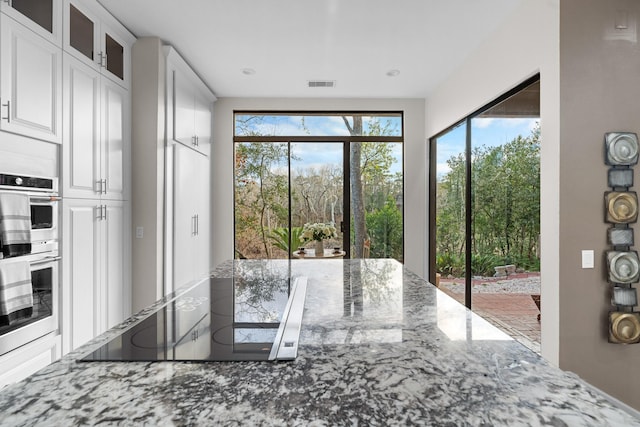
{"x":222,"y":161}
{"x":526,"y":44}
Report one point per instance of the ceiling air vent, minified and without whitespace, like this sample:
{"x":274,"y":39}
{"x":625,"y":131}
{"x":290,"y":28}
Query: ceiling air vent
{"x":322,"y":83}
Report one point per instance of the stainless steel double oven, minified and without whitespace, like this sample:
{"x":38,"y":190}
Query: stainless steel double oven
{"x":43,"y":260}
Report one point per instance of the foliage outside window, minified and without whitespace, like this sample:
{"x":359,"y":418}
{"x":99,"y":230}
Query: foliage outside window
{"x":280,"y":186}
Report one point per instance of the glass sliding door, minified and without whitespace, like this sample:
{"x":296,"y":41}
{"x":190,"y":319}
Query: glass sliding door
{"x":449,"y":172}
{"x":377,"y":200}
{"x":261,"y":199}
{"x":485,"y":204}
{"x":317,"y":196}
{"x":505,"y":188}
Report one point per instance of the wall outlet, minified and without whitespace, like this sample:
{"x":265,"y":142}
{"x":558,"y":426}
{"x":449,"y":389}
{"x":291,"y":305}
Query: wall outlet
{"x":139,"y":232}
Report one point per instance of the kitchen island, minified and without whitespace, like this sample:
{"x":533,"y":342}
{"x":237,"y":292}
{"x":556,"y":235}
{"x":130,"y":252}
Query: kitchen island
{"x":378,"y":346}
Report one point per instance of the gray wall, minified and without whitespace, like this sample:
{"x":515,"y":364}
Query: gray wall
{"x":147,"y":175}
{"x":599,"y":92}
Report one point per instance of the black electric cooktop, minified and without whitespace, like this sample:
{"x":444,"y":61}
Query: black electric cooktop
{"x":219,"y":319}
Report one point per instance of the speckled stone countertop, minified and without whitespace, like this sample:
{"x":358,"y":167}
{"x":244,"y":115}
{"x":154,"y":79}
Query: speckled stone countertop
{"x":379,"y":346}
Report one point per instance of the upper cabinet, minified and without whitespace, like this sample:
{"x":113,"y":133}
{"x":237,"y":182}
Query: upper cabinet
{"x":97,"y":134}
{"x":190,"y":105}
{"x":95,"y":37}
{"x":30,"y":82}
{"x":41,"y":16}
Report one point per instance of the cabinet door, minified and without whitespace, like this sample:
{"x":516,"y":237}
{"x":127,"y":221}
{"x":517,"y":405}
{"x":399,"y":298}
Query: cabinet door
{"x":115,"y":139}
{"x":183,"y":104}
{"x":31,"y":86}
{"x":81,"y":148}
{"x":116,"y":53}
{"x":40,"y":16}
{"x":202,"y":117}
{"x":201,"y":240}
{"x":81,"y":272}
{"x":184,"y":214}
{"x":113,"y":267}
{"x":81,"y":29}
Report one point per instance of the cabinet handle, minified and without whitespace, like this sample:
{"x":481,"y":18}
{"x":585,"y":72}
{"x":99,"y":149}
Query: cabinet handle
{"x":197,"y":225}
{"x":98,"y":213}
{"x":8,"y":105}
{"x":104,"y":186}
{"x":193,"y":225}
{"x":103,"y":59}
{"x":197,"y":141}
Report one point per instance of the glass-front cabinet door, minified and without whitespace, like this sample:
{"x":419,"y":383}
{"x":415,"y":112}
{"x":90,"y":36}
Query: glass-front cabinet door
{"x":82,"y":31}
{"x":41,"y":16}
{"x":90,"y":38}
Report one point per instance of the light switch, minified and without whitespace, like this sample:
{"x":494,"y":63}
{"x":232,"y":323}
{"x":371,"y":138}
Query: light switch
{"x":587,"y":259}
{"x":139,"y":232}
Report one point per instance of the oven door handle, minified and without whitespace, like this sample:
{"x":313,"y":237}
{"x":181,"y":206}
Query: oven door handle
{"x":45,"y":199}
{"x":46,"y":259}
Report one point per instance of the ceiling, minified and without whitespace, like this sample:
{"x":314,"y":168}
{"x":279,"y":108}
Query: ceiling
{"x":289,"y":42}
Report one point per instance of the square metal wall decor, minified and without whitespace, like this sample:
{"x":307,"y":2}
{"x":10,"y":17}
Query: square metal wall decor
{"x":620,"y":178}
{"x":624,"y":327}
{"x":624,"y":267}
{"x":621,"y":148}
{"x":620,"y":236}
{"x":621,"y":209}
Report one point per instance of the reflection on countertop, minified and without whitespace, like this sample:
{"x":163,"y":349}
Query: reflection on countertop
{"x":379,"y":346}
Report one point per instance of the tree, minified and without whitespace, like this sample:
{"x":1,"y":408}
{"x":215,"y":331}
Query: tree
{"x":261,"y":192}
{"x":355,"y":179}
{"x":369,"y":162}
{"x":505,"y":205}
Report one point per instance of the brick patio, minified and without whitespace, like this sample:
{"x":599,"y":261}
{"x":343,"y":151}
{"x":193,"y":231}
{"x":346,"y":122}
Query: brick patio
{"x":515,"y":314}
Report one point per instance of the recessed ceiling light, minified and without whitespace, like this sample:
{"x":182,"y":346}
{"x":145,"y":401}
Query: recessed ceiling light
{"x":248,"y":71}
{"x":393,"y":73}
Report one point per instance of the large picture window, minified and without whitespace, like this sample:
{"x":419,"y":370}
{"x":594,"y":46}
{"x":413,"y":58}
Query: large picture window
{"x":342,"y":169}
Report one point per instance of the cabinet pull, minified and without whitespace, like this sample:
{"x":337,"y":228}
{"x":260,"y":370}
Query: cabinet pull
{"x":98,"y":213}
{"x":8,"y":105}
{"x":104,"y":186}
{"x":103,"y":59}
{"x":197,"y":225}
{"x":105,"y":212}
{"x":197,"y":141}
{"x":193,"y":225}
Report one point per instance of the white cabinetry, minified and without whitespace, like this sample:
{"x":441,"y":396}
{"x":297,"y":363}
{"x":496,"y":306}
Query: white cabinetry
{"x":42,"y":17}
{"x":190,"y":215}
{"x":96,"y":38}
{"x":96,"y":286}
{"x":170,"y":179}
{"x":96,"y":127}
{"x":191,"y":105}
{"x":96,"y":154}
{"x":28,"y":359}
{"x":30,"y":83}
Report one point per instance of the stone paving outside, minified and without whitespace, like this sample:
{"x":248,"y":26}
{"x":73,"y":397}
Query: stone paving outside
{"x":504,"y":302}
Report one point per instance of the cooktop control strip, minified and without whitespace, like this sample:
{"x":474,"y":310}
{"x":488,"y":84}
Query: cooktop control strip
{"x":285,"y":345}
